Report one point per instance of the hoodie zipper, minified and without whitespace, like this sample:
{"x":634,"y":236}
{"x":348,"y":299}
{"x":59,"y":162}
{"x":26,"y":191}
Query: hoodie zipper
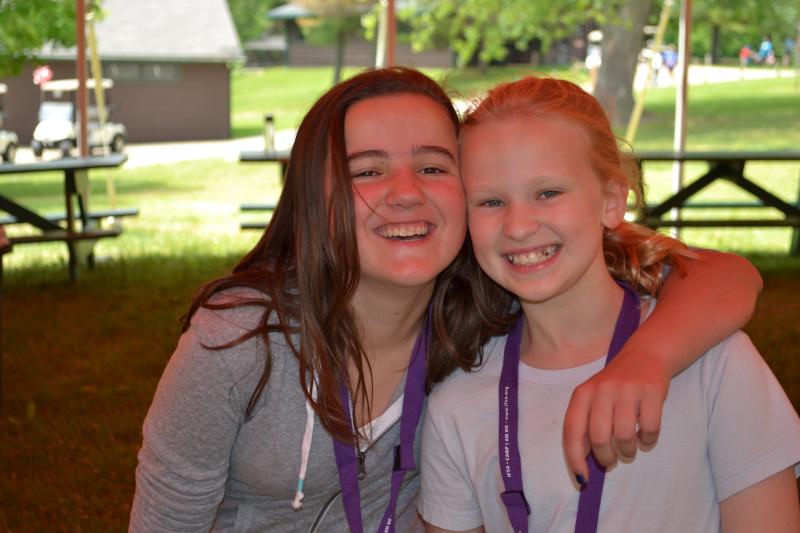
{"x":362,"y":470}
{"x":362,"y":455}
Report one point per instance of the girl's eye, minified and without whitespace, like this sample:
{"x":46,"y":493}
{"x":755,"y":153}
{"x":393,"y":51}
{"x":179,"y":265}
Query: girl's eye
{"x":432,"y":170}
{"x":492,"y":202}
{"x":549,"y":194}
{"x":364,"y":174}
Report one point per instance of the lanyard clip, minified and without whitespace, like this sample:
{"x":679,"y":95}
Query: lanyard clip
{"x":515,"y":499}
{"x":401,"y":465}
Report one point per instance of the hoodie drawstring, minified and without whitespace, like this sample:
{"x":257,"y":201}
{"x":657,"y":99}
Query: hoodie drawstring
{"x":297,"y":503}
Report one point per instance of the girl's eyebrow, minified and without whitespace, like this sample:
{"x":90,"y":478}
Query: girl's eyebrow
{"x":441,"y":150}
{"x":367,"y":153}
{"x":423,"y":149}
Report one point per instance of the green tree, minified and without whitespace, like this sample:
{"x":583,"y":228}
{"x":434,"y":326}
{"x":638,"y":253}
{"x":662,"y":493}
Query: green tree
{"x":339,"y":17}
{"x":483,"y":29}
{"x":250,"y":17}
{"x":720,"y":29}
{"x":623,"y":38}
{"x":26,"y":25}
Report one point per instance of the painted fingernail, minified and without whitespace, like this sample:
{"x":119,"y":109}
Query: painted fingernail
{"x":580,"y":479}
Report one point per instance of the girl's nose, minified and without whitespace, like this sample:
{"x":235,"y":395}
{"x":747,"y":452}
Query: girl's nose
{"x":521,"y":221}
{"x":405,"y":188}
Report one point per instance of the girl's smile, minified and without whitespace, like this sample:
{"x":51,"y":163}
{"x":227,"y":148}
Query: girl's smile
{"x":409,"y":201}
{"x":537,"y":209}
{"x":533,"y":258}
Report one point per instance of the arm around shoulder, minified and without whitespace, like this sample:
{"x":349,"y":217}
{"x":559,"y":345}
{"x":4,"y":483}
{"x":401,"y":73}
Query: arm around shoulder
{"x":769,"y":505}
{"x":698,"y":310}
{"x":695,"y":312}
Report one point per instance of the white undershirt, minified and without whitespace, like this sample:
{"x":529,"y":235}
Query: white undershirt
{"x":378,"y":425}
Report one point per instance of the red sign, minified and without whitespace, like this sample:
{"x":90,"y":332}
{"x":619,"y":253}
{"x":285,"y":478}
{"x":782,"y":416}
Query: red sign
{"x":42,"y":74}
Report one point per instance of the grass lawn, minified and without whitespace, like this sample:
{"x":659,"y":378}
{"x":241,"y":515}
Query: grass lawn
{"x":81,"y":361}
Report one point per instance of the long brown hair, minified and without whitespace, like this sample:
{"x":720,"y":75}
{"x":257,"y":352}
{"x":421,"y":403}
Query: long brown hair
{"x":308,"y":268}
{"x":633,"y":253}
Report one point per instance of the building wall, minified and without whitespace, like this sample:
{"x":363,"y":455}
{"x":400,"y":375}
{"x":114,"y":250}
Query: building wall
{"x":359,"y":53}
{"x":193,"y":104}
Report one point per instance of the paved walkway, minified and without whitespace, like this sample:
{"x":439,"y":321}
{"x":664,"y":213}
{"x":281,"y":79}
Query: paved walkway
{"x":704,"y":74}
{"x":144,"y":154}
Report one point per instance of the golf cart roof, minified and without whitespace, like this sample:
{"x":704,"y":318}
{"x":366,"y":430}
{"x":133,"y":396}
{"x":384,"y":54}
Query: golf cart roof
{"x":72,"y":85}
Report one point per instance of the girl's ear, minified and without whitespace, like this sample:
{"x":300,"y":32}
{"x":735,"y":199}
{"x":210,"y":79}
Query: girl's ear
{"x":616,"y":204}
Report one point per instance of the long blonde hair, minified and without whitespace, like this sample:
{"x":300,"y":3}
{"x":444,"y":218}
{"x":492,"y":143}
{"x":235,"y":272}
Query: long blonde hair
{"x":634,"y":253}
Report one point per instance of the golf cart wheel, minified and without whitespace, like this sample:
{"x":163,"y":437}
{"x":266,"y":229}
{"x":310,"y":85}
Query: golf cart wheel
{"x":117,"y":144}
{"x":11,"y":153}
{"x":37,"y":147}
{"x":66,"y":148}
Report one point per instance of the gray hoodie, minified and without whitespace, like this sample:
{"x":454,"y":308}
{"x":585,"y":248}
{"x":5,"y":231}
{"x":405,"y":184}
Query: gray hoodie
{"x":203,"y":467}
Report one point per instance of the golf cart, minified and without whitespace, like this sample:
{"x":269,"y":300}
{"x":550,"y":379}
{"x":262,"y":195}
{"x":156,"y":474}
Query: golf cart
{"x":57,"y":127}
{"x":8,"y":139}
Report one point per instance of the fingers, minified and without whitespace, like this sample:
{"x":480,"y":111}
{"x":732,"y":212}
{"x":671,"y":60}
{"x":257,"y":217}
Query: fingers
{"x":611,"y":419}
{"x":600,"y":429}
{"x":624,"y":431}
{"x":575,"y":435}
{"x":650,"y":420}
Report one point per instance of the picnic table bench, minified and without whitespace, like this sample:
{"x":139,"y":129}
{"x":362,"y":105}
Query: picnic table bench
{"x":730,"y":166}
{"x":82,"y":225}
{"x":262,"y":156}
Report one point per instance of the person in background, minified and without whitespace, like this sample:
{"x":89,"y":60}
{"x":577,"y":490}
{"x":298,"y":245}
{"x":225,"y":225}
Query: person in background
{"x":670,"y":59}
{"x":789,"y":52}
{"x":547,"y":192}
{"x":746,"y":54}
{"x":293,"y":398}
{"x":766,"y":51}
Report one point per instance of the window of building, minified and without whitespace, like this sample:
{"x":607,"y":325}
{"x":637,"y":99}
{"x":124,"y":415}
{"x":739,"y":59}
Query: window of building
{"x":144,"y":72}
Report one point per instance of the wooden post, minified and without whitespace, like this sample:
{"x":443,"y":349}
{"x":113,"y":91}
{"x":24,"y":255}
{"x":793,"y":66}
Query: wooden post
{"x":80,"y":72}
{"x":391,"y":35}
{"x":684,"y":59}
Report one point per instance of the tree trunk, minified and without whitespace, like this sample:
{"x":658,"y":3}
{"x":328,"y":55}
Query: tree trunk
{"x":622,"y":42}
{"x":715,"y":44}
{"x":340,"y":41}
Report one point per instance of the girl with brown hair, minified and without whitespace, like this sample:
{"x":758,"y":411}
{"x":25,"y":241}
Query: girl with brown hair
{"x":293,"y":398}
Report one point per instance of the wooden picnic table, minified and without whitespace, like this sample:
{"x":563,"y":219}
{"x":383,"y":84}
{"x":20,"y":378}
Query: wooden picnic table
{"x":267,"y":156}
{"x":76,"y":190}
{"x":263,"y":156}
{"x":730,"y":166}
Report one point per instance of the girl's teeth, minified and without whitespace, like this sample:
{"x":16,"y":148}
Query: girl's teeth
{"x":534,"y":257}
{"x":405,"y":230}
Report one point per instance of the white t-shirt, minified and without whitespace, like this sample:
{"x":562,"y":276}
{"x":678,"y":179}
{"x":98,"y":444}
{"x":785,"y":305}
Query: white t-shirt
{"x":726,"y":425}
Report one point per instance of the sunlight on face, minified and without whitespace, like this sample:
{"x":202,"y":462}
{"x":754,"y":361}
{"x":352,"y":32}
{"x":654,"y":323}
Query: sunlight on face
{"x":409,"y":202}
{"x":536,"y":207}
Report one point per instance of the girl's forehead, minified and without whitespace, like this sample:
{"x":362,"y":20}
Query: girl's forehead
{"x":399,"y":106}
{"x":405,"y":118}
{"x":523,"y":146}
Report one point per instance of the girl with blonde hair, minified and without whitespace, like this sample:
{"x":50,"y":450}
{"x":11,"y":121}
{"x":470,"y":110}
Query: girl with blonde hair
{"x":547,"y":191}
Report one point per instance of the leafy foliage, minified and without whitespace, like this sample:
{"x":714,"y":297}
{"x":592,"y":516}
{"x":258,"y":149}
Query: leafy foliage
{"x":250,"y":17}
{"x":26,"y":25}
{"x":484,"y":29}
{"x":739,"y":22}
{"x":334,"y":8}
{"x":336,"y":18}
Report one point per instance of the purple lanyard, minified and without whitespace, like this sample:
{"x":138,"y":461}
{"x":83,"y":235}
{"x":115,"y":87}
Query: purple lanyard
{"x":413,"y":399}
{"x":508,"y":445}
